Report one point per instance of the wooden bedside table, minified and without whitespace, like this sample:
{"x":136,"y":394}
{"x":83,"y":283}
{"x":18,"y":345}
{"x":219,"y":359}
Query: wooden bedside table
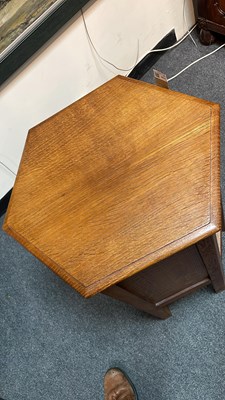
{"x":119,"y":193}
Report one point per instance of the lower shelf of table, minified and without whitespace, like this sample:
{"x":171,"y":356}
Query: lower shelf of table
{"x":154,"y":288}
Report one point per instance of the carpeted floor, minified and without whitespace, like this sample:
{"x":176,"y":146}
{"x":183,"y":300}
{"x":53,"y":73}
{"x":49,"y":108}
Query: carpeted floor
{"x":56,"y":345}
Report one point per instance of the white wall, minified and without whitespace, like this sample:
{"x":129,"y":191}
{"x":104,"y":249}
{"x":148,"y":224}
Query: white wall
{"x":68,"y":68}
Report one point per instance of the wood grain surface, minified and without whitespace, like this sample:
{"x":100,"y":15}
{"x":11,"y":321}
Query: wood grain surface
{"x":117,"y":181}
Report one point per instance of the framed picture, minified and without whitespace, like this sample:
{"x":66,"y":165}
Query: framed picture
{"x":26,"y":25}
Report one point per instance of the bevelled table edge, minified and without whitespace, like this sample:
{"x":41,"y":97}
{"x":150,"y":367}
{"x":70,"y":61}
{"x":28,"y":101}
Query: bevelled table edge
{"x":123,"y":273}
{"x":43,"y":258}
{"x":200,"y":233}
{"x":215,"y":195}
{"x":166,"y":91}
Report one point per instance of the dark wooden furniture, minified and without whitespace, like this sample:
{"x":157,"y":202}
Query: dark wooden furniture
{"x":119,"y":193}
{"x":211,"y":18}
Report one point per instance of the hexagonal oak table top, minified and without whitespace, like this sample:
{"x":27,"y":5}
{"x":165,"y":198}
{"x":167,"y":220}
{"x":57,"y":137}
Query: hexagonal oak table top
{"x":119,"y":180}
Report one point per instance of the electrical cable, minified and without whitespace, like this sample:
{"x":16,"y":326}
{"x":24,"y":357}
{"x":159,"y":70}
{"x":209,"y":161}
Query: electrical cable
{"x":7,"y":168}
{"x":186,"y":24}
{"x":96,"y":51}
{"x":135,"y":60}
{"x":175,"y":44}
{"x":151,"y":51}
{"x":194,"y":62}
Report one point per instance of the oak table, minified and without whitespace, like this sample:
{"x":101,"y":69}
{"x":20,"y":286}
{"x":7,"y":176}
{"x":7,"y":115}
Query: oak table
{"x":119,"y":193}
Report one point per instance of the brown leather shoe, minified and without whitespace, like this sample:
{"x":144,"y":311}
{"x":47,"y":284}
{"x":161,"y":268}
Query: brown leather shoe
{"x":117,"y":386}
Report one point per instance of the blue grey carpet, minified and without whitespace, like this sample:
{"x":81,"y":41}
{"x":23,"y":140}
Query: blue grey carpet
{"x":56,"y":345}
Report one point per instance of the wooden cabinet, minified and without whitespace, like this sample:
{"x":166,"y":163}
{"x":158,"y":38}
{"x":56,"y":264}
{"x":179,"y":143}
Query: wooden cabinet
{"x":211,"y":18}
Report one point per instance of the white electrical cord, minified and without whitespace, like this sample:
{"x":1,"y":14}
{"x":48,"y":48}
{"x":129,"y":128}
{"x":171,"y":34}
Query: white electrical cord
{"x":96,"y":51}
{"x":151,"y":51}
{"x":186,"y":24}
{"x":175,"y":44}
{"x":9,"y":169}
{"x":194,"y":62}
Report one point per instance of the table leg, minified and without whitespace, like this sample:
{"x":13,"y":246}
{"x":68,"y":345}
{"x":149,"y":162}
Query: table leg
{"x":127,"y":297}
{"x":209,"y":251}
